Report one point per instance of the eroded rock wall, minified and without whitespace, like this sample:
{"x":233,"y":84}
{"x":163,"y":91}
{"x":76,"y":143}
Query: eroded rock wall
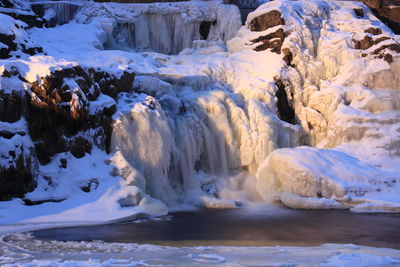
{"x":68,"y":110}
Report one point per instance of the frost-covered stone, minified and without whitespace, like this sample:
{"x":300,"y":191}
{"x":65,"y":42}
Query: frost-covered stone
{"x":318,"y":178}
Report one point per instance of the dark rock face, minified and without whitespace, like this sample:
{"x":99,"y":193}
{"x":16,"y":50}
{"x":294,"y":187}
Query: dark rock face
{"x":65,"y":11}
{"x":11,"y":106}
{"x":17,"y":179}
{"x":60,"y":117}
{"x":368,"y":42}
{"x":359,"y":12}
{"x":288,"y":56}
{"x":382,"y":50}
{"x":266,"y":21}
{"x":271,"y":41}
{"x":6,"y":3}
{"x":285,"y":109}
{"x":373,"y":31}
{"x":274,"y":40}
{"x":205,"y":27}
{"x":21,"y":12}
{"x":387,"y":11}
{"x":31,"y":19}
{"x":13,"y":45}
{"x":17,"y":162}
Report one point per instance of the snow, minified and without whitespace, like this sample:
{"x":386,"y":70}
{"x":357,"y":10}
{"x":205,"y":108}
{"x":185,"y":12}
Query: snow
{"x":24,"y":250}
{"x":9,"y":26}
{"x":202,"y":123}
{"x":327,"y":174}
{"x":77,"y":206}
{"x":19,"y":126}
{"x":103,"y":101}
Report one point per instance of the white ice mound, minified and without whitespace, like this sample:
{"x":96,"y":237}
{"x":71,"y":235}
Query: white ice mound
{"x":306,"y":177}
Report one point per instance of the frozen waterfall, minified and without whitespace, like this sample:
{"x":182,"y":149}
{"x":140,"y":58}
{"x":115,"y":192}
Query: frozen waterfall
{"x":166,"y":28}
{"x":56,"y":12}
{"x":194,"y":145}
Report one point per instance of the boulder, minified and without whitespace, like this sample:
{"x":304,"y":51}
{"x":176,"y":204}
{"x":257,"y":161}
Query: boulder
{"x":266,"y":21}
{"x":271,"y":41}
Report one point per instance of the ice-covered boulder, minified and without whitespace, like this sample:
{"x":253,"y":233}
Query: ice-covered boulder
{"x":306,"y":177}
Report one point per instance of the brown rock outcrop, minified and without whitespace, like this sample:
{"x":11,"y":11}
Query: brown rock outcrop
{"x":383,"y":51}
{"x":266,"y":21}
{"x":59,"y":118}
{"x":271,"y":41}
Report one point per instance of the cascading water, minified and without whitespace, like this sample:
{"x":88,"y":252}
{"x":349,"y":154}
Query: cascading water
{"x":56,"y":12}
{"x":166,"y":29}
{"x":187,"y":144}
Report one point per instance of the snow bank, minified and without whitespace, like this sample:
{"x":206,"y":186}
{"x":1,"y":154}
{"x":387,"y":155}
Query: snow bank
{"x":9,"y":26}
{"x":24,"y":250}
{"x":316,"y":178}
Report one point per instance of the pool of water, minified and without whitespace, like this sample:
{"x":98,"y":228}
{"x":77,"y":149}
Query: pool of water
{"x":244,"y":227}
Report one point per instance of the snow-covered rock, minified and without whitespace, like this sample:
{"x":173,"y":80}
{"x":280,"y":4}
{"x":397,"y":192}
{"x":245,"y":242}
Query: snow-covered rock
{"x":306,"y":177}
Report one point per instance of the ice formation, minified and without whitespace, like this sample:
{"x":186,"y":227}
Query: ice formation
{"x":337,"y":103}
{"x":214,"y":120}
{"x":165,"y":28}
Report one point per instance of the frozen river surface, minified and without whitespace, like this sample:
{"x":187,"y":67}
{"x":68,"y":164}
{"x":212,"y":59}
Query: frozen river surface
{"x":240,"y":237}
{"x":245,"y":227}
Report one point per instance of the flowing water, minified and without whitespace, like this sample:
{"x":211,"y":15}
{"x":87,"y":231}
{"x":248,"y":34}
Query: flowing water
{"x":245,"y":227}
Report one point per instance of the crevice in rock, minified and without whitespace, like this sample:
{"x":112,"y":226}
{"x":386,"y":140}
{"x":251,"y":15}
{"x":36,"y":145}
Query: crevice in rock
{"x":205,"y":27}
{"x":285,"y":109}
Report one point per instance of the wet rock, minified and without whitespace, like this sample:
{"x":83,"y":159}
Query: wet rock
{"x":393,"y":47}
{"x":9,"y":41}
{"x":266,"y":21}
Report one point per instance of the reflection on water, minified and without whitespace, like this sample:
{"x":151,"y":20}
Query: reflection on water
{"x":245,"y":227}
